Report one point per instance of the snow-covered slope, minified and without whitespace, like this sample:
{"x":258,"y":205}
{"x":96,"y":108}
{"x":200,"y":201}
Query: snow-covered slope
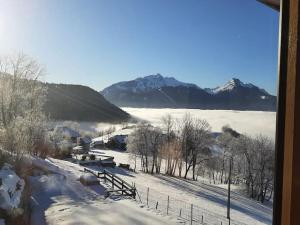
{"x":60,"y":199}
{"x":209,"y":201}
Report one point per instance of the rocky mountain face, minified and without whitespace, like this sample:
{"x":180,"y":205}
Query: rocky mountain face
{"x":156,"y":91}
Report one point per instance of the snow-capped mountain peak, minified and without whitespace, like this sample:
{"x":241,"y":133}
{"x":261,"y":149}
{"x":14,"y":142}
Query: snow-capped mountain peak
{"x":158,"y":81}
{"x":230,"y":85}
{"x":149,"y":82}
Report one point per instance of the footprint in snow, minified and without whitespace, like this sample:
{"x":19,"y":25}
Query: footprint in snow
{"x":63,"y":209}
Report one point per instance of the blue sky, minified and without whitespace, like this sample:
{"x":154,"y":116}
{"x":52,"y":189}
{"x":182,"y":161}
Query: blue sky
{"x":100,"y":42}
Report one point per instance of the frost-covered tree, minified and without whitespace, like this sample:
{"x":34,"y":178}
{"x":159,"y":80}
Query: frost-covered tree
{"x":22,"y":95}
{"x":252,"y":163}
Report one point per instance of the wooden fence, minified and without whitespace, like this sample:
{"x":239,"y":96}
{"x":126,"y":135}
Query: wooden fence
{"x":118,"y":184}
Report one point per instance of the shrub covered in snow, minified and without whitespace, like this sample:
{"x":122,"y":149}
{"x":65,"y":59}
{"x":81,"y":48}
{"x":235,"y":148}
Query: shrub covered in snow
{"x":63,"y":149}
{"x":88,"y":179}
{"x":11,"y":187}
{"x":92,"y":157}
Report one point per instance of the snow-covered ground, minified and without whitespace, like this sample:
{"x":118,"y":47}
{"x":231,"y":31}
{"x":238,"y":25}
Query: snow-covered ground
{"x":73,"y":202}
{"x":249,"y":122}
{"x":208,"y":200}
{"x":61,"y":199}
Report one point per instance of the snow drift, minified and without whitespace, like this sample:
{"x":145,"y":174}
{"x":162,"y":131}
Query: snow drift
{"x":11,"y":187}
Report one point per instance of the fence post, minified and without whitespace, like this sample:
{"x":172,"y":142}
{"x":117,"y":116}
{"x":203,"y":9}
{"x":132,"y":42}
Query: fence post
{"x":180,"y":212}
{"x":134,"y":193}
{"x":122,"y":187}
{"x":156,"y":205}
{"x":168,"y":204}
{"x":191,"y":214}
{"x":202,"y":219}
{"x":113,"y":182}
{"x":147,"y":196}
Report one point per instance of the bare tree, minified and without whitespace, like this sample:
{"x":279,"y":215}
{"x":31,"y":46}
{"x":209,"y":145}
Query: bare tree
{"x":145,"y":142}
{"x":196,"y":140}
{"x":167,"y":150}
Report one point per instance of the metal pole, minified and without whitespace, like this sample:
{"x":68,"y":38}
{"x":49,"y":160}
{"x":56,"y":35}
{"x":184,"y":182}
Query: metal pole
{"x":191,"y":214}
{"x":168,"y":205}
{"x":229,"y":183}
{"x":147,"y":196}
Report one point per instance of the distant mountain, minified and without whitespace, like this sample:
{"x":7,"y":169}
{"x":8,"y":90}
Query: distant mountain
{"x":80,"y":103}
{"x":157,"y":91}
{"x":144,"y":84}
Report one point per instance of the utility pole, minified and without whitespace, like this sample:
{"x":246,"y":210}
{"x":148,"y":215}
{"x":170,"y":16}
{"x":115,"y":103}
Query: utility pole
{"x":229,"y":183}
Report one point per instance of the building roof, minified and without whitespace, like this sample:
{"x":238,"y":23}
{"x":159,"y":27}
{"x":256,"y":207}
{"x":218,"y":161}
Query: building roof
{"x":274,"y":4}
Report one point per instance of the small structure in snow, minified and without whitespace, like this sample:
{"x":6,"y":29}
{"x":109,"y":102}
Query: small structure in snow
{"x":118,"y":142}
{"x":84,"y":142}
{"x":96,"y":143}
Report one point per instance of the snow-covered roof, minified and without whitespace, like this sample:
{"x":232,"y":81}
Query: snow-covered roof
{"x":67,"y":131}
{"x":104,"y":138}
{"x":86,"y":140}
{"x":120,"y":138}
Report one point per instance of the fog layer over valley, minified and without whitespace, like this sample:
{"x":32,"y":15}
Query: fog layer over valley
{"x":248,"y":122}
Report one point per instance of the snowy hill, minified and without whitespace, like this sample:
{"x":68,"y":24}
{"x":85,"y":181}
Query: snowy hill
{"x":80,"y":103}
{"x":156,"y":91}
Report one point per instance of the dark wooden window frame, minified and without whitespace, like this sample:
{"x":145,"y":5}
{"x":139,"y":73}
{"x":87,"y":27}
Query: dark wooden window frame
{"x":286,"y":209}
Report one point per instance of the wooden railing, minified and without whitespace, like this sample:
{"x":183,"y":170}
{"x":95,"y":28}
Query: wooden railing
{"x":118,"y":184}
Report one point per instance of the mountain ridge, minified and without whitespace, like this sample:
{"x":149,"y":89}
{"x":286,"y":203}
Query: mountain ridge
{"x":159,"y":92}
